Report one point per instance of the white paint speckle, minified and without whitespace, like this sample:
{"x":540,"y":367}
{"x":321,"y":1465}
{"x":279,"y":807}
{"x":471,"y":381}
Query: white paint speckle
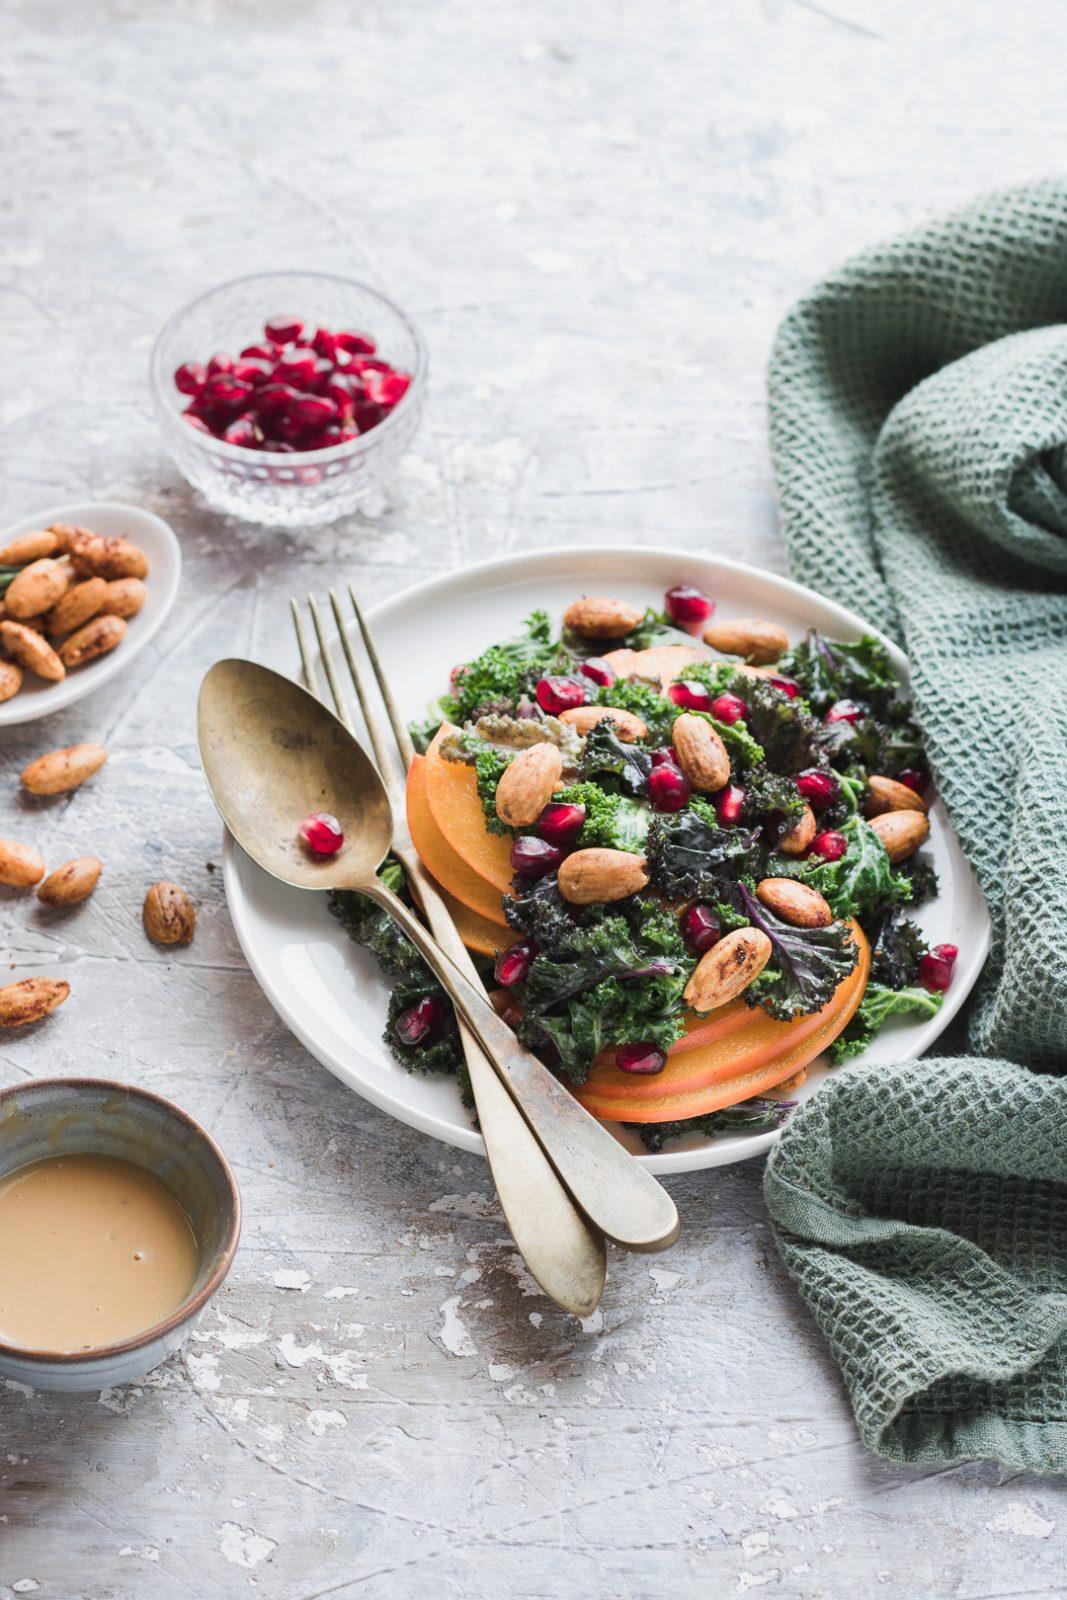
{"x":25,"y":1585}
{"x":781,"y":1508}
{"x":341,"y":1291}
{"x":757,"y":1580}
{"x":291,"y":1278}
{"x":321,"y":1422}
{"x":204,"y":1371}
{"x":19,"y":1388}
{"x":500,"y":1372}
{"x":467,"y":1205}
{"x":346,"y":1368}
{"x":145,"y":1552}
{"x":453,"y":1333}
{"x":244,"y":1547}
{"x":664,"y":1280}
{"x":593,"y":1324}
{"x":1023,"y":1521}
{"x":295,"y":1355}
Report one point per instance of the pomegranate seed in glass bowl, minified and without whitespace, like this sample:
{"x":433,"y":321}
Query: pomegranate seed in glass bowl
{"x":326,"y":422}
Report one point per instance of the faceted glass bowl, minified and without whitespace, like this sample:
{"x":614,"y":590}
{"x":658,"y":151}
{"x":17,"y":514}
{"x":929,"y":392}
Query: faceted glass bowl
{"x":306,"y":488}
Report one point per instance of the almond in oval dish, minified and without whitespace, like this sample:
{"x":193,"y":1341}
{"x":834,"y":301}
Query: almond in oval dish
{"x":71,"y":883}
{"x":31,"y":651}
{"x":61,"y":770}
{"x":76,"y":607}
{"x":26,"y":547}
{"x":124,"y":597}
{"x":30,"y":999}
{"x":169,"y":917}
{"x":36,"y":588}
{"x":10,"y":679}
{"x":100,"y":555}
{"x":95,"y":639}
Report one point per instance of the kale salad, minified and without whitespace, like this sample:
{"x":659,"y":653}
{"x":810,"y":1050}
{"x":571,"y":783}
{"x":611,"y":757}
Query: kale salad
{"x":691,"y":815}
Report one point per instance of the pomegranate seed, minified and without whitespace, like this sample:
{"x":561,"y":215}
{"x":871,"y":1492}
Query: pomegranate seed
{"x":421,"y":1022}
{"x":341,"y":391}
{"x":322,"y":833}
{"x":227,"y":391}
{"x":364,"y":364}
{"x":513,"y":965}
{"x":690,"y":696}
{"x":686,"y":606}
{"x":219,"y":363}
{"x":532,"y":857}
{"x":560,"y":822}
{"x":355,"y":344}
{"x":322,"y":375}
{"x":244,"y":432}
{"x":326,"y":438}
{"x":821,"y":788}
{"x":936,"y":968}
{"x":253,"y":370}
{"x":272,"y":399}
{"x":788,"y":686}
{"x":387,"y":388}
{"x":728,"y":803}
{"x":324,"y":343}
{"x":830,"y":845}
{"x":644,"y":1058}
{"x":283,"y":330}
{"x":701,"y":929}
{"x":729,"y":708}
{"x":598,"y":671}
{"x":843,"y":711}
{"x":312,"y":410}
{"x":665,"y":754}
{"x":368,"y":416}
{"x":259,"y":352}
{"x":190,"y":378}
{"x":556,"y":694}
{"x":295,"y":366}
{"x":196,"y":422}
{"x":912,"y":778}
{"x":668,"y":788}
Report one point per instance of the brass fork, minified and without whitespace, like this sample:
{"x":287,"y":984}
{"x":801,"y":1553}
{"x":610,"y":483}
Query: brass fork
{"x":563,"y":1253}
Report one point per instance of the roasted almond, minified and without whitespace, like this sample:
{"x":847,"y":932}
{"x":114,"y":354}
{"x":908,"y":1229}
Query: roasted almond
{"x":30,"y":999}
{"x":20,"y":866}
{"x":169,"y":917}
{"x":77,"y":606}
{"x":60,"y":770}
{"x":527,"y":783}
{"x":27,"y":647}
{"x":95,"y":639}
{"x":800,"y":835}
{"x":66,"y":534}
{"x":10,"y":679}
{"x":902,"y":832}
{"x":595,"y":877}
{"x":100,"y":556}
{"x":71,"y":883}
{"x":124,"y":598}
{"x":701,"y":753}
{"x":597,"y":617}
{"x":727,"y":968}
{"x":27,"y":547}
{"x":36,"y":588}
{"x":750,"y":637}
{"x":886,"y":794}
{"x":796,"y":903}
{"x":629,"y":727}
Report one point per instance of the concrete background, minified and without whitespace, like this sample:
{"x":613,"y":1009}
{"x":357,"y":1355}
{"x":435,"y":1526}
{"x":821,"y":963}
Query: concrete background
{"x":597,"y":213}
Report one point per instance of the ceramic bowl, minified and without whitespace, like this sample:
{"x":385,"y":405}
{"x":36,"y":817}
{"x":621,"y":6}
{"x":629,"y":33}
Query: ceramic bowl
{"x":91,"y":1116}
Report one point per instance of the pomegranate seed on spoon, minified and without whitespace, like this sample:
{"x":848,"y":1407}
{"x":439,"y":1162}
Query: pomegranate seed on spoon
{"x":937,"y":966}
{"x":421,"y":1022}
{"x":322,"y":833}
{"x":646,"y":1059}
{"x":687,"y":606}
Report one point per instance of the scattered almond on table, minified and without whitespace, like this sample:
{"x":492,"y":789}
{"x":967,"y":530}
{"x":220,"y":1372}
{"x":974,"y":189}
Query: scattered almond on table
{"x":169,"y":916}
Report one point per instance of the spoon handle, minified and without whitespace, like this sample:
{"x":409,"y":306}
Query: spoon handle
{"x":615,"y":1193}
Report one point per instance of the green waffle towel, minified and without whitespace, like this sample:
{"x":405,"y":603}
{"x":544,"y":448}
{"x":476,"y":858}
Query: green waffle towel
{"x":918,"y":410}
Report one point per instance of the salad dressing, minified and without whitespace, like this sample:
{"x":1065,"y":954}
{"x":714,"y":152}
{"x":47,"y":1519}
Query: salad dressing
{"x":93,"y":1250}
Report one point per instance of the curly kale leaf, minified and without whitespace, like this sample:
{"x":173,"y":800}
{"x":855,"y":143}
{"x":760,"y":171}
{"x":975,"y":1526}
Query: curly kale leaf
{"x":490,"y":767}
{"x":806,"y":964}
{"x":885,"y":747}
{"x":878,"y":1005}
{"x":609,"y":947}
{"x":922,"y":876}
{"x":607,"y":757}
{"x":541,"y":914}
{"x":691,"y":857}
{"x":612,"y":821}
{"x":498,"y":678}
{"x":443,"y":1054}
{"x":829,"y":670}
{"x":897,"y":947}
{"x":784,"y":727}
{"x":422,"y":733}
{"x":655,"y":711}
{"x":748,"y":1116}
{"x":614,"y":1011}
{"x":860,"y":884}
{"x":772,"y":801}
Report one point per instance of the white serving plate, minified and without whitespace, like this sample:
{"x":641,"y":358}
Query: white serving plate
{"x":159,"y":543}
{"x":331,"y":994}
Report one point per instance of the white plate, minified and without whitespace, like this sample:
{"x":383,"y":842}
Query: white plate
{"x":330,"y":993}
{"x":156,"y":538}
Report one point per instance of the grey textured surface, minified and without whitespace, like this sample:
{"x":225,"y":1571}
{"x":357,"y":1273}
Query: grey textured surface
{"x":597,"y":214}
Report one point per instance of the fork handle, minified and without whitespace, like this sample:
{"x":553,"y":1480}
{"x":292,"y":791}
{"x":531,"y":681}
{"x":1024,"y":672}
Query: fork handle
{"x":617,"y":1194}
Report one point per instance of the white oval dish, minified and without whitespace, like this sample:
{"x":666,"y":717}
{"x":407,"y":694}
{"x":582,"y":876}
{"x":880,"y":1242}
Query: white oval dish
{"x":331,"y":994}
{"x":157,"y":539}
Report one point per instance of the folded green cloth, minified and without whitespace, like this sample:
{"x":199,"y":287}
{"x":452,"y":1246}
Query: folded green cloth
{"x":918,"y":403}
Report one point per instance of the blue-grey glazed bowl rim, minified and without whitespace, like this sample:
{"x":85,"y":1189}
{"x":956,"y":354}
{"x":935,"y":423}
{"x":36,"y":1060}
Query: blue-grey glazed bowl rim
{"x":194,"y":1304}
{"x":162,"y":382}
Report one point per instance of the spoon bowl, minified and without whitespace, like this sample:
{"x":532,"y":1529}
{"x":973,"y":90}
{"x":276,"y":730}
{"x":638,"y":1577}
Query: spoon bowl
{"x":272,"y":753}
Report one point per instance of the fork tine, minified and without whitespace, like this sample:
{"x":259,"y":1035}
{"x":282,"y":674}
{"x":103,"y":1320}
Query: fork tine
{"x":396,"y":721}
{"x":311,"y":682}
{"x":327,"y":665}
{"x":381,"y":754}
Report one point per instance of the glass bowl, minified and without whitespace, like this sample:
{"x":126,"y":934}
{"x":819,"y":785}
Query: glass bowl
{"x":305,"y":488}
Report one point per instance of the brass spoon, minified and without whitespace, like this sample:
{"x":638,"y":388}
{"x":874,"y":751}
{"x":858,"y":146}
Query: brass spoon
{"x":271,"y":754}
